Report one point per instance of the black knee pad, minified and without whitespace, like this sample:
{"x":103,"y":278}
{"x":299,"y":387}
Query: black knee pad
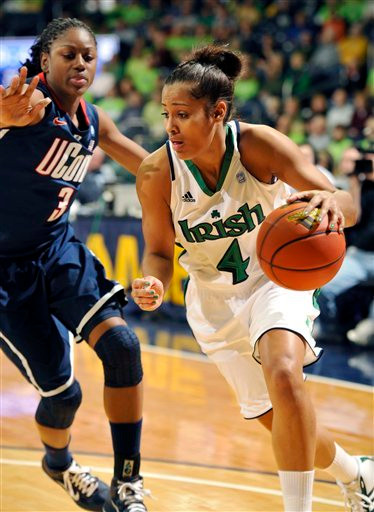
{"x":59,"y":411}
{"x":119,"y":350}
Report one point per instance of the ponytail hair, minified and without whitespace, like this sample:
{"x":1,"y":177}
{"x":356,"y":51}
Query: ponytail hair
{"x":212,"y":70}
{"x":44,"y":42}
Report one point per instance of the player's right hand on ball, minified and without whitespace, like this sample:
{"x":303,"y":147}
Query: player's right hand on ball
{"x":17,"y":107}
{"x":147,"y":293}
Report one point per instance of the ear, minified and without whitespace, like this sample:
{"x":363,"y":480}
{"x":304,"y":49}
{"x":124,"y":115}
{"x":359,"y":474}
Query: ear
{"x":220,"y":111}
{"x":44,"y":62}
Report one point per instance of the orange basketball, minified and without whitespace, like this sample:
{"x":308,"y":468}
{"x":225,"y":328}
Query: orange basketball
{"x":297,"y":252}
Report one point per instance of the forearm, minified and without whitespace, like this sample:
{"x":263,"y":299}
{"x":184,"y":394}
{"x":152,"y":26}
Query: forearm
{"x":158,"y":266}
{"x":355,"y":191}
{"x":348,"y":207}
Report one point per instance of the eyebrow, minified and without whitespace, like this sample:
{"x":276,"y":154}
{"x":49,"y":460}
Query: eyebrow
{"x":177,"y":103}
{"x":74,"y":46}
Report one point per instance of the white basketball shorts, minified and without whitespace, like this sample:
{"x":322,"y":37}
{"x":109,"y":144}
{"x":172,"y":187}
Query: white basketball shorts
{"x":227,"y":328}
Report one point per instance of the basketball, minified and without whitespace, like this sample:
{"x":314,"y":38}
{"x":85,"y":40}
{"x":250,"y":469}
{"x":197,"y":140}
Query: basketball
{"x":297,"y":252}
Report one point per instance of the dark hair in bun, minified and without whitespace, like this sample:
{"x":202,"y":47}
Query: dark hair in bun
{"x":212,"y":70}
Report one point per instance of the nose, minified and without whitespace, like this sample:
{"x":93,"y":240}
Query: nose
{"x":79,"y":62}
{"x":170,"y":126}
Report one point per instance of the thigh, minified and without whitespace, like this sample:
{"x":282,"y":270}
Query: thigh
{"x":40,"y":346}
{"x":78,"y":287}
{"x":220,"y":326}
{"x":31,"y":337}
{"x":276,"y":308}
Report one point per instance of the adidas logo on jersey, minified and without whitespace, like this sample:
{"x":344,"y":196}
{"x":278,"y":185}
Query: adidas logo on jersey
{"x":187,"y":198}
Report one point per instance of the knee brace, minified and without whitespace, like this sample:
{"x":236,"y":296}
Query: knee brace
{"x":59,"y":411}
{"x":119,"y":350}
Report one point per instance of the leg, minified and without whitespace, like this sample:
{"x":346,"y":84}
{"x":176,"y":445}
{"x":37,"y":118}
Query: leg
{"x":354,"y":475}
{"x":293,"y":424}
{"x":325,"y":446}
{"x":119,"y":349}
{"x":122,"y":404}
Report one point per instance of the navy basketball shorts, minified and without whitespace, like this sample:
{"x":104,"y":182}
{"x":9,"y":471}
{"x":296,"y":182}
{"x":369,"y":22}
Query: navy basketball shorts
{"x":44,"y":303}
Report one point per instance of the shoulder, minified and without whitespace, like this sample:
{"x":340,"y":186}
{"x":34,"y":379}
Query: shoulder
{"x":154,"y":173}
{"x":263,"y":150}
{"x":262,"y":134}
{"x":157,"y":163}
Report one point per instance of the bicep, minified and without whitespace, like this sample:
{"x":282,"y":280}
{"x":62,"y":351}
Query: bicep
{"x":277,"y":155}
{"x":157,"y":224}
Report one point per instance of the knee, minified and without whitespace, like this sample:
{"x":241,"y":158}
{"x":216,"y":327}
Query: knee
{"x":284,"y":379}
{"x":59,"y":411}
{"x":119,"y":350}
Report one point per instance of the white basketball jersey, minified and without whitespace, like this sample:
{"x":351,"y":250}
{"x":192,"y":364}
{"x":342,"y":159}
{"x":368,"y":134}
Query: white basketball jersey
{"x":218,"y":229}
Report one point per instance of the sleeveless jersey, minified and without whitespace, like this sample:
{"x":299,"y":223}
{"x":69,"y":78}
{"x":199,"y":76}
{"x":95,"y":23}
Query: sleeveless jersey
{"x":41,"y":169}
{"x":218,"y":229}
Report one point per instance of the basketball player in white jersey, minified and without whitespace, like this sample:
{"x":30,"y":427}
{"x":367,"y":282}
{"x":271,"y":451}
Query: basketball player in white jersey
{"x":208,"y":189}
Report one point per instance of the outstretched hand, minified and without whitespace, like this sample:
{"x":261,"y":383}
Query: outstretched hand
{"x":15,"y":101}
{"x":147,"y":293}
{"x":326,"y":202}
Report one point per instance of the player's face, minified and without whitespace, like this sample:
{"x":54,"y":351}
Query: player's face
{"x":187,"y":123}
{"x":70,"y":65}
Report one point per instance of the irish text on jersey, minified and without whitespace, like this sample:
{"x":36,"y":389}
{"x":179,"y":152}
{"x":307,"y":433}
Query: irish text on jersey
{"x":244,"y":221}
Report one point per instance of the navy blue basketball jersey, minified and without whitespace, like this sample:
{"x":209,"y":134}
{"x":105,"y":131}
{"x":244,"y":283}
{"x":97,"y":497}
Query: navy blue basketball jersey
{"x":41,"y":169}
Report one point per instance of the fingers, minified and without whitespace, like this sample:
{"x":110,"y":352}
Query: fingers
{"x":13,"y":86}
{"x":325,"y":203}
{"x":147,"y":293}
{"x":17,"y":83}
{"x":22,"y":79}
{"x":34,"y":111}
{"x":32,"y":86}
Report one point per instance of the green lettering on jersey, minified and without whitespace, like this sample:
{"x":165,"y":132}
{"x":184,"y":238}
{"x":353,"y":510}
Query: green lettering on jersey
{"x":237,"y":224}
{"x":232,"y":261}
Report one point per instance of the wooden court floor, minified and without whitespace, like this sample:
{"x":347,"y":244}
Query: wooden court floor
{"x":198,"y":453}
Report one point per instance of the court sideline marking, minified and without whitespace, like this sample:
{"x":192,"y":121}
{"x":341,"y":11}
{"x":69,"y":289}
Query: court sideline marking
{"x":204,"y":359}
{"x":197,"y":481}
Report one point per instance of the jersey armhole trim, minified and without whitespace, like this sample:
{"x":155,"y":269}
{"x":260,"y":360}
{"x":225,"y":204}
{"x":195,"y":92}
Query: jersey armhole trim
{"x":172,"y":172}
{"x":237,"y":132}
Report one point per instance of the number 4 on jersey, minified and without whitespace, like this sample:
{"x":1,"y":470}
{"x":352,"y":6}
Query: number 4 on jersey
{"x":232,"y":261}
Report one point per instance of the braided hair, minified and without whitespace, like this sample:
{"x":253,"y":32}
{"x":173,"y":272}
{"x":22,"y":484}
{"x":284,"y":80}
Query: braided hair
{"x":43,"y":43}
{"x":213,"y":70}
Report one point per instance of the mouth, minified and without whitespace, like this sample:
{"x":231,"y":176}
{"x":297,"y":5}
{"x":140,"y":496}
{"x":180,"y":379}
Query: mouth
{"x":177,"y":144}
{"x":78,"y":80}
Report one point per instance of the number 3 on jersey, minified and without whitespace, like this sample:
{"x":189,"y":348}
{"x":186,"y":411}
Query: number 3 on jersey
{"x":64,"y":195}
{"x":232,"y":261}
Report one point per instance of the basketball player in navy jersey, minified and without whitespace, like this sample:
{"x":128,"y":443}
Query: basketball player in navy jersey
{"x":209,"y":188}
{"x":50,"y":283}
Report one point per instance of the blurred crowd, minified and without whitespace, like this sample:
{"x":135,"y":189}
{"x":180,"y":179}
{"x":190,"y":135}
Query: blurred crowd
{"x":310,"y":75}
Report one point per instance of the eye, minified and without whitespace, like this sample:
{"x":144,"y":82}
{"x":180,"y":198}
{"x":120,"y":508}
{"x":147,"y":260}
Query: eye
{"x":69,"y":56}
{"x":165,"y":115}
{"x":183,"y":115}
{"x":88,"y":58}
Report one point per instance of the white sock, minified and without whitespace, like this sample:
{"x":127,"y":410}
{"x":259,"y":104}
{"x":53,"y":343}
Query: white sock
{"x":297,"y":489}
{"x":344,"y":467}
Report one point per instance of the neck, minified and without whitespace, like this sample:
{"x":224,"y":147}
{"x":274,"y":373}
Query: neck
{"x":67,"y":103}
{"x":210,"y":162}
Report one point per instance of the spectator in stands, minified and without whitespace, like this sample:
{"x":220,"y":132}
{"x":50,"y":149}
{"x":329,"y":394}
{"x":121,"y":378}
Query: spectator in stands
{"x":324,"y":62}
{"x":311,"y":154}
{"x":318,"y":136}
{"x":361,"y":112}
{"x":358,"y":265}
{"x":341,"y":110}
{"x":339,"y":142}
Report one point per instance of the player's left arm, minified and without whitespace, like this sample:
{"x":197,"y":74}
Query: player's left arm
{"x":119,"y":147}
{"x":281,"y":157}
